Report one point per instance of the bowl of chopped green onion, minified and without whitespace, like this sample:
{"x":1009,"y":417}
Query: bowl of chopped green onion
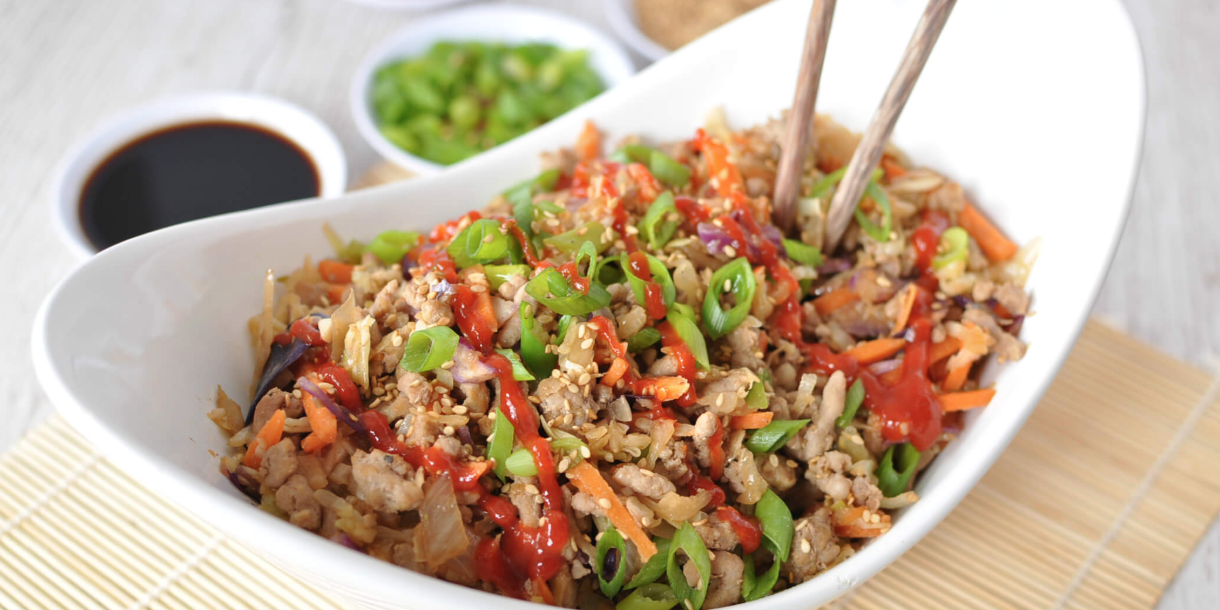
{"x":453,"y":85}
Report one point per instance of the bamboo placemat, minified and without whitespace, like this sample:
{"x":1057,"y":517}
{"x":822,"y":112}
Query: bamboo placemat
{"x":1095,"y":504}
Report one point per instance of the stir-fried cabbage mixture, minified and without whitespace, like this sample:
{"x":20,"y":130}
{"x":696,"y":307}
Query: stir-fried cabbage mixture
{"x":620,"y":384}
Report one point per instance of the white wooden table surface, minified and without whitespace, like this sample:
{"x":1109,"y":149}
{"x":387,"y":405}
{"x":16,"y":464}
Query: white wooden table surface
{"x":66,"y":64}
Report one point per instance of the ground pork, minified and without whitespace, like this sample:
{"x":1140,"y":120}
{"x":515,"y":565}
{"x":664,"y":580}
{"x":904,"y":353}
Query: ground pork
{"x":1007,"y":347}
{"x":384,"y":302}
{"x":727,"y":572}
{"x":780,"y":473}
{"x":866,"y":493}
{"x":827,"y":472}
{"x":585,"y":505}
{"x":705,"y":428}
{"x":523,"y":493}
{"x":295,"y":498}
{"x":814,"y":546}
{"x":1013,"y":298}
{"x":672,"y":462}
{"x":744,"y":343}
{"x":564,"y":407}
{"x":717,"y":534}
{"x":386,"y":482}
{"x":727,"y":395}
{"x":279,"y":463}
{"x":643,"y":482}
{"x":741,"y":472}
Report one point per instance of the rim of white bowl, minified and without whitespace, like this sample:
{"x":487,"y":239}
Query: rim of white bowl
{"x":284,"y":118}
{"x":621,"y":14}
{"x":404,"y":5}
{"x":486,"y":23}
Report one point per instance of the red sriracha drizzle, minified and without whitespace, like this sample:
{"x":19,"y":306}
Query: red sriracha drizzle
{"x":926,"y":239}
{"x":909,"y":409}
{"x":654,"y":299}
{"x":686,"y":360}
{"x":474,"y":316}
{"x":747,"y":529}
{"x":337,"y":376}
{"x":533,"y":553}
{"x":527,"y":248}
{"x":304,"y":330}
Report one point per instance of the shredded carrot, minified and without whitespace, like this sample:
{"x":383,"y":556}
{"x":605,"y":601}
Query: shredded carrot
{"x":588,"y":479}
{"x":649,"y":189}
{"x":335,"y":272}
{"x":719,"y":168}
{"x":322,"y":425}
{"x":961,"y":401}
{"x":857,"y":522}
{"x":908,"y":303}
{"x":618,"y":368}
{"x":892,"y":168}
{"x":589,"y":142}
{"x":835,"y":299}
{"x":944,"y":349}
{"x":991,"y":241}
{"x":955,"y":379}
{"x":269,"y":435}
{"x":334,"y":292}
{"x":751,"y":421}
{"x":876,"y":350}
{"x":662,"y":388}
{"x":544,"y":591}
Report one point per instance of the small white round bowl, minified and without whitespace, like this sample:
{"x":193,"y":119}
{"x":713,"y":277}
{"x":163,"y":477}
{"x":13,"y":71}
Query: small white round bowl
{"x":621,"y":14}
{"x":284,"y":118}
{"x":490,"y":23}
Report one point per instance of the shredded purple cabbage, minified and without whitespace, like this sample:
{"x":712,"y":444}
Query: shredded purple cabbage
{"x":245,"y":487}
{"x":834,"y":265}
{"x":278,"y":360}
{"x":324,"y":399}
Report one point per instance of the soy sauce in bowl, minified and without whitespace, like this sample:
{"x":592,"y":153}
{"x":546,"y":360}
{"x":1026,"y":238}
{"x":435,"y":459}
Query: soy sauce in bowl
{"x":191,"y":171}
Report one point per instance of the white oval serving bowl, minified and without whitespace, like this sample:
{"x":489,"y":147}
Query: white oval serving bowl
{"x":273,"y":114}
{"x":486,"y":23}
{"x":135,"y":370}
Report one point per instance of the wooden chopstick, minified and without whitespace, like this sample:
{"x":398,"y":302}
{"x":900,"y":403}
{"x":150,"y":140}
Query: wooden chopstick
{"x":871,"y":146}
{"x":800,"y":117}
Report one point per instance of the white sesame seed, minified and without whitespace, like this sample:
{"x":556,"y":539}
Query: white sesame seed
{"x":604,"y":503}
{"x":805,"y":546}
{"x":729,"y":251}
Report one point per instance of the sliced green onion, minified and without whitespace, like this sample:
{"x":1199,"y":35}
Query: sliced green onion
{"x":501,"y":443}
{"x":660,"y":165}
{"x":521,"y":196}
{"x":776,"y":520}
{"x":660,"y":276}
{"x":955,"y":242}
{"x":429,"y":348}
{"x":880,"y":233}
{"x":533,"y":345}
{"x":643,"y":339}
{"x":391,"y":246}
{"x":822,"y":187}
{"x":561,"y":330}
{"x":654,"y":596}
{"x":686,"y":540}
{"x":668,"y":170}
{"x":550,"y":288}
{"x":521,"y":463}
{"x":611,"y":545}
{"x":498,"y":274}
{"x":895,"y":471}
{"x":568,"y":444}
{"x":608,"y":271}
{"x":520,"y":373}
{"x":654,"y":568}
{"x":588,"y":254}
{"x":855,"y":396}
{"x":548,"y":206}
{"x":570,"y":241}
{"x":754,"y":587}
{"x":741,"y":283}
{"x":756,"y":398}
{"x":765,"y":375}
{"x":685,"y":310}
{"x":774,"y":435}
{"x":690,"y":334}
{"x":480,"y":242}
{"x":655,"y":226}
{"x":802,"y":253}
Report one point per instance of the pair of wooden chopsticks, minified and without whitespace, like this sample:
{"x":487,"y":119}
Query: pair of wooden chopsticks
{"x":868,"y":152}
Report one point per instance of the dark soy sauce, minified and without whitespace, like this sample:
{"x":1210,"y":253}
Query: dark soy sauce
{"x":191,"y":171}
